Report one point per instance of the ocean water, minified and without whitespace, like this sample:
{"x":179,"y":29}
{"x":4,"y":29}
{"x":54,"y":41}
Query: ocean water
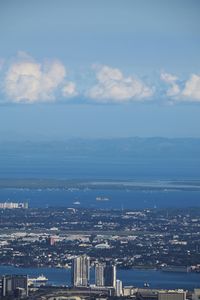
{"x":104,"y":168}
{"x":131,"y":159}
{"x":156,"y":279}
{"x":29,"y":161}
{"x":118,"y":199}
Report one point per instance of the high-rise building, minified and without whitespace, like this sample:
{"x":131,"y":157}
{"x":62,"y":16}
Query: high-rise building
{"x":119,"y":290}
{"x":11,"y":284}
{"x":99,"y":274}
{"x":110,"y":275}
{"x":81,"y":271}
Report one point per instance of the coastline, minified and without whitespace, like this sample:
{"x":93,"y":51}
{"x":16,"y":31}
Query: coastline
{"x":104,"y":184}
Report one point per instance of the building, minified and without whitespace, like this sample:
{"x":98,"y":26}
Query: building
{"x":172,"y":295}
{"x":13,"y":205}
{"x":52,"y":240}
{"x":99,"y":274}
{"x":81,"y":271}
{"x":12,"y":285}
{"x":129,"y":291}
{"x":110,"y":275}
{"x":119,"y":289}
{"x":196,"y":294}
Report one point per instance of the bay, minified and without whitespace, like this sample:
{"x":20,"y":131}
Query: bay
{"x":135,"y":277}
{"x":118,"y":199}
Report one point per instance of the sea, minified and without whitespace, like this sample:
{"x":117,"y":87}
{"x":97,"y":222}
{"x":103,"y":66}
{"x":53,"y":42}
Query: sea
{"x":116,"y":199}
{"x":38,"y":163}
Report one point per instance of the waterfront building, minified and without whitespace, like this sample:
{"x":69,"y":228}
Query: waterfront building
{"x":172,"y":295}
{"x":129,"y":291}
{"x":14,"y":284}
{"x":99,"y":274}
{"x":119,"y":289}
{"x":13,"y":205}
{"x":110,"y":275}
{"x":81,"y":271}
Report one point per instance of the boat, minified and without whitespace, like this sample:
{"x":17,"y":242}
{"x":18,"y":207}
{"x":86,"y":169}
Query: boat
{"x":76,"y":202}
{"x":38,"y":280}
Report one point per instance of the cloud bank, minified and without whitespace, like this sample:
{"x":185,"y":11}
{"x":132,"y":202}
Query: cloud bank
{"x":25,"y":80}
{"x":113,"y":86}
{"x":30,"y":81}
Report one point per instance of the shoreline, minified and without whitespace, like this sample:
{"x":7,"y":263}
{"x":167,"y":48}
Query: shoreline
{"x":104,"y":184}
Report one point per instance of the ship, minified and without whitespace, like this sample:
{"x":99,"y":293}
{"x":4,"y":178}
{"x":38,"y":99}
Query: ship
{"x":102,"y":199}
{"x":76,"y":203}
{"x":40,"y":280}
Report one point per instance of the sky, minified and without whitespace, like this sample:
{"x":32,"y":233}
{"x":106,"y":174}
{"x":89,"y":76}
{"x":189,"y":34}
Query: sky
{"x":99,"y":68}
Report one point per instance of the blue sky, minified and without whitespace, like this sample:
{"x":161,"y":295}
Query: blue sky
{"x":99,"y":68}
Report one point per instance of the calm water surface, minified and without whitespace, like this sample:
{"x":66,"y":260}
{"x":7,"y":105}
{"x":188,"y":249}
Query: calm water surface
{"x":156,"y":279}
{"x":118,"y":199}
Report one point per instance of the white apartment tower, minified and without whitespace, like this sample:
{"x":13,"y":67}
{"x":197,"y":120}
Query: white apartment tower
{"x":119,"y":289}
{"x":81,"y":271}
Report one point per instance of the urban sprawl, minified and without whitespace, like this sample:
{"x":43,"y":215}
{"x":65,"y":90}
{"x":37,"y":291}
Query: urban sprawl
{"x":106,"y":240}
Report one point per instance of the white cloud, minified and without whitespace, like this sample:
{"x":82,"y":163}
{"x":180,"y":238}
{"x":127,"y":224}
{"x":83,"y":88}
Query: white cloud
{"x":30,"y":81}
{"x":69,"y":89}
{"x":171,"y":80}
{"x":191,"y":90}
{"x":112,"y":86}
{"x":167,"y":77}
